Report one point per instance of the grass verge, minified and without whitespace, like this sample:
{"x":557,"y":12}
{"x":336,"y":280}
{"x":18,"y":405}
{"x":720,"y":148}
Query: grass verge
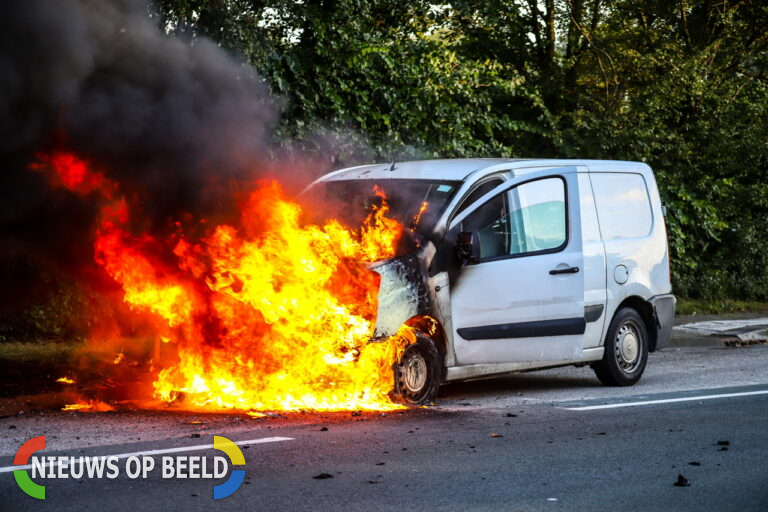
{"x":719,"y":307}
{"x":33,"y":367}
{"x":40,"y":351}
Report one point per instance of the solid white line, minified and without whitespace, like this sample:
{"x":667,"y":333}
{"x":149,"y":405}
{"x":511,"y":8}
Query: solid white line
{"x":665,"y":401}
{"x":8,"y":469}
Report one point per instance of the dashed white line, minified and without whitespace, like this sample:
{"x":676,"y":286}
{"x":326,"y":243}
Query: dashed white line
{"x":665,"y":401}
{"x":163,"y":451}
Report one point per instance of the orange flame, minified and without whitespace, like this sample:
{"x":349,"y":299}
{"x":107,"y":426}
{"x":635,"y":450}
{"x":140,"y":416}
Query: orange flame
{"x":92,"y":405}
{"x":417,"y":217}
{"x":268,"y":314}
{"x":379,"y":234}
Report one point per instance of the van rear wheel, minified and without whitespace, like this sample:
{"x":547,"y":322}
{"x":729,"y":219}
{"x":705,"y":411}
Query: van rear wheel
{"x":626,"y":350}
{"x":417,"y":373}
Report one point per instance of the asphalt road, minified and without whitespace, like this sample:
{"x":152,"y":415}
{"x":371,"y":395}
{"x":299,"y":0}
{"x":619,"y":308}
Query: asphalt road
{"x":553,"y":440}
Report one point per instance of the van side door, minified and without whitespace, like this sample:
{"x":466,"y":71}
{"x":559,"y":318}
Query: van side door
{"x":595,"y":300}
{"x":522,"y":298}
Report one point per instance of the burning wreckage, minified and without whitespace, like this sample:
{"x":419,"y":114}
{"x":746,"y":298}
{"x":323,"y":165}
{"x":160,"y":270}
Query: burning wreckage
{"x":378,"y":298}
{"x":507,"y":267}
{"x":273,"y":312}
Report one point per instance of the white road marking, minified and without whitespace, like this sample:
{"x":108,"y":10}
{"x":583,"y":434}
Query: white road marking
{"x":665,"y":401}
{"x":8,"y":469}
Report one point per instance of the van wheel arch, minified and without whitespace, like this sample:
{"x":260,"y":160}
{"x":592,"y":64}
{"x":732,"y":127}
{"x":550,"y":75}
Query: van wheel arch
{"x":418,"y":371}
{"x":645,"y":310}
{"x":431,"y":328}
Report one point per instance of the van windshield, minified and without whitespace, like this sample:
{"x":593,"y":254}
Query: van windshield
{"x":416,"y":204}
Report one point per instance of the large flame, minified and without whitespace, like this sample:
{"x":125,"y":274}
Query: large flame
{"x":265,"y":314}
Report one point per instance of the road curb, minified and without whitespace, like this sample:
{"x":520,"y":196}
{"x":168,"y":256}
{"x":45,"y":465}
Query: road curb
{"x":722,"y":331}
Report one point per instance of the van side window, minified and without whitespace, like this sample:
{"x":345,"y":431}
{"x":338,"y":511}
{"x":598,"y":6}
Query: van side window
{"x":623,"y":205}
{"x":538,"y":216}
{"x":529,"y":218}
{"x":479,"y":192}
{"x":491,"y":222}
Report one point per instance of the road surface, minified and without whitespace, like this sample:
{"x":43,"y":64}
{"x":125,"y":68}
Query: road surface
{"x":552,"y":440}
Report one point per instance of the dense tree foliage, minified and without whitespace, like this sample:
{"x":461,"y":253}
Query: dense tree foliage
{"x":681,"y":85}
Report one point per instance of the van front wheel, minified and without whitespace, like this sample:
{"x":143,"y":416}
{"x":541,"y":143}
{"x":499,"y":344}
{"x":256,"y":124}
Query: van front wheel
{"x":417,"y":373}
{"x":626,"y":350}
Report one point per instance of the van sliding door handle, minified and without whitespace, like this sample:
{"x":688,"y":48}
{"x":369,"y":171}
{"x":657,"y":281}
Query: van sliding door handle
{"x":568,"y":270}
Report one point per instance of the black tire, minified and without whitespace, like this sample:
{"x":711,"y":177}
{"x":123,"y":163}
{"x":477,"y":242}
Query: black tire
{"x":626,"y":350}
{"x":418,"y":372}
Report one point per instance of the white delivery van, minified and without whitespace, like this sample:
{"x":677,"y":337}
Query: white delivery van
{"x":517,"y":265}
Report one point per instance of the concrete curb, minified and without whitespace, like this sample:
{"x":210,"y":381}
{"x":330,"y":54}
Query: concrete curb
{"x":709,"y":331}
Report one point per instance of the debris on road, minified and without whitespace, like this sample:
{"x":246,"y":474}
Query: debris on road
{"x":682,"y":481}
{"x":322,"y":476}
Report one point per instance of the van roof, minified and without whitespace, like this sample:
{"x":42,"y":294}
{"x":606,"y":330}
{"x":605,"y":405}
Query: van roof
{"x":456,"y":169}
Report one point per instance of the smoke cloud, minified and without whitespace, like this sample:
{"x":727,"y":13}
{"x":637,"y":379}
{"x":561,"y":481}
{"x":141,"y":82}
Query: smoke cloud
{"x":178,"y":124}
{"x":178,"y":121}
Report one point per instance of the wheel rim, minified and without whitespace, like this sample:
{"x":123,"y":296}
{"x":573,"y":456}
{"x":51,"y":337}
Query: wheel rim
{"x":628,"y":347}
{"x":415,"y":373}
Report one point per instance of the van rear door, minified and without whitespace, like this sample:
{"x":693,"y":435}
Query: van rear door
{"x":523,"y":298}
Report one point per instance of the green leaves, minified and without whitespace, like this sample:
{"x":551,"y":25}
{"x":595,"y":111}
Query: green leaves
{"x":684,"y":91}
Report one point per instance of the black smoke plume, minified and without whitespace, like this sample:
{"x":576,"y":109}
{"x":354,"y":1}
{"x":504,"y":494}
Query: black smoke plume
{"x":177,"y":119}
{"x":177,"y":123}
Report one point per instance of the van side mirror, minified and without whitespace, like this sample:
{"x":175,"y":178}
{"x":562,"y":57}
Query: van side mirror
{"x":468,"y":247}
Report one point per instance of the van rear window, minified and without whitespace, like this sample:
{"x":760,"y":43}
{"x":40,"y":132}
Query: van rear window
{"x":623,"y":205}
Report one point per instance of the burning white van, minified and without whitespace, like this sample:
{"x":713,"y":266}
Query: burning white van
{"x":515,"y":264}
